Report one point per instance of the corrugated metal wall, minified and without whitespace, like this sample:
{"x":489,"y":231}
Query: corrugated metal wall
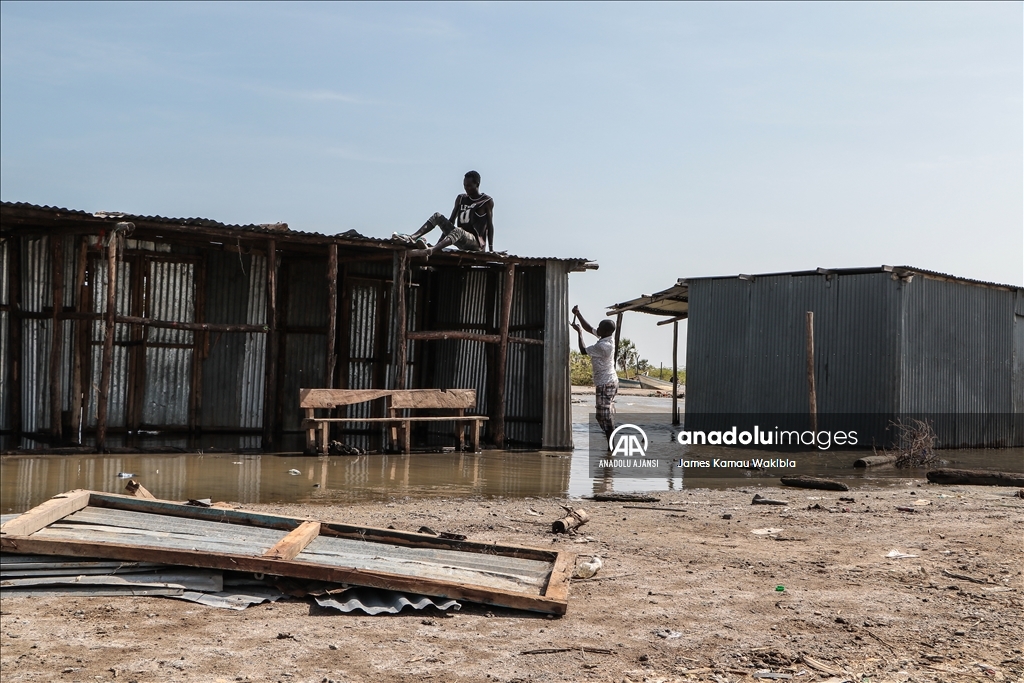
{"x":957,"y":348}
{"x":154,"y":367}
{"x":304,"y":338}
{"x":746,"y":344}
{"x":885,"y":346}
{"x":557,"y":432}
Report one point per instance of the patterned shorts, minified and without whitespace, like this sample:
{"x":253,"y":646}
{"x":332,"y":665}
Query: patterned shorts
{"x":605,"y":395}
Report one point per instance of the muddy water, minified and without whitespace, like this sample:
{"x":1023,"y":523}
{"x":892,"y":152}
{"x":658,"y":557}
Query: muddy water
{"x":26,"y":481}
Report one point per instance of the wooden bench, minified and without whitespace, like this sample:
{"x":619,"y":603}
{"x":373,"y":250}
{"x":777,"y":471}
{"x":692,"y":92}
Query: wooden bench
{"x":395,"y":400}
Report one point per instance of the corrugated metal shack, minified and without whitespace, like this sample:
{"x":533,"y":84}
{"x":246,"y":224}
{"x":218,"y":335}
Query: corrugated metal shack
{"x":212,"y":329}
{"x":886,"y":343}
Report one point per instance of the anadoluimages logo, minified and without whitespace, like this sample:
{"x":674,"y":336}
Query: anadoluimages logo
{"x":625,"y":440}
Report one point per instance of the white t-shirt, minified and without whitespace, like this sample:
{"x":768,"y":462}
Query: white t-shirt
{"x":602,"y":359}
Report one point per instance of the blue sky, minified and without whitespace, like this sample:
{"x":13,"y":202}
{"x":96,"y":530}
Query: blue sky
{"x":662,"y":140}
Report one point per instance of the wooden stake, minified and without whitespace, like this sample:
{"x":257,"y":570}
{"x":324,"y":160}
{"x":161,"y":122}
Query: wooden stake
{"x":811,"y":392}
{"x":81,"y":347}
{"x":506,"y":316}
{"x":16,"y":324}
{"x":401,"y":341}
{"x":106,"y":366}
{"x":57,"y":332}
{"x":270,"y":369}
{"x":332,"y":315}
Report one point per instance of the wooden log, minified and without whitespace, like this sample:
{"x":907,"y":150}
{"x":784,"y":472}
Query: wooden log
{"x":136,"y":489}
{"x":106,"y":366}
{"x":812,"y":393}
{"x":401,"y":341}
{"x":507,"y":293}
{"x":761,"y":500}
{"x":332,"y":314}
{"x":874,"y":460}
{"x":174,"y":325}
{"x":56,"y":334}
{"x":976,"y":477}
{"x":805,"y":482}
{"x":58,"y":507}
{"x":294,"y":542}
{"x":625,"y":498}
{"x":574,"y":518}
{"x":270,"y":365}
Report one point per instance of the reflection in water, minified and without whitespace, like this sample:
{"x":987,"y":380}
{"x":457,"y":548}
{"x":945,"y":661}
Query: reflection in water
{"x":26,"y":481}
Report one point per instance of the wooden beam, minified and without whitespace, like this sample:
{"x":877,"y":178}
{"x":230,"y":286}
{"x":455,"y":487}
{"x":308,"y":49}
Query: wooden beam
{"x":434,"y":398}
{"x":561,"y":572}
{"x":106,"y":365}
{"x":270,"y":366}
{"x":332,"y":315}
{"x":506,"y":316}
{"x":56,"y":333}
{"x":14,"y":254}
{"x":58,"y":507}
{"x":399,"y":418}
{"x":401,"y":341}
{"x":618,"y":333}
{"x":435,"y":335}
{"x":331,"y":398}
{"x":294,"y":542}
{"x":672,"y":320}
{"x":81,"y":347}
{"x":195,"y":327}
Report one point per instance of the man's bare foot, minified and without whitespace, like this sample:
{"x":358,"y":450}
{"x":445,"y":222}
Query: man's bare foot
{"x":420,"y":253}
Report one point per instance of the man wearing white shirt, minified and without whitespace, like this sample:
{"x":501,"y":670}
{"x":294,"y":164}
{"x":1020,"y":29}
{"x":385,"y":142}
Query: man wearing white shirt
{"x":602,"y":360}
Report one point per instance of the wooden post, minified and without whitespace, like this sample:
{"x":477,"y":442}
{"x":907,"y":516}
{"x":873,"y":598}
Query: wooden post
{"x":332,"y":315}
{"x":811,"y":392}
{"x":106,"y":366}
{"x":506,"y":316}
{"x":16,"y":324}
{"x":56,"y":333}
{"x":270,"y":369}
{"x":81,"y":347}
{"x":618,"y":332}
{"x":401,"y":341}
{"x":675,"y":373}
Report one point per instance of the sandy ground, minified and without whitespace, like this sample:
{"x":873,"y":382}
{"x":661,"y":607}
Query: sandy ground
{"x":707,"y":583}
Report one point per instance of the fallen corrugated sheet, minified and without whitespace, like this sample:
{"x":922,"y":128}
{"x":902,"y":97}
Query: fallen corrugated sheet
{"x":375,"y":602}
{"x":100,"y":525}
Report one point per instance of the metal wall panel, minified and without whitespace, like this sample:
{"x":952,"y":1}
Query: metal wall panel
{"x":557,"y":413}
{"x":305,"y":353}
{"x":227,"y":402}
{"x":36,"y":334}
{"x":524,"y":371}
{"x":168,"y":385}
{"x":957,"y":352}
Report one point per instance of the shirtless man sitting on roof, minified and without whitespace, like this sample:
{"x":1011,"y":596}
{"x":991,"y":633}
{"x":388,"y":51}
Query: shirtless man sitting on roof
{"x":471,"y":226}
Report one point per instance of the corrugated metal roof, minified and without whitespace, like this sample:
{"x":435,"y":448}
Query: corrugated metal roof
{"x":282,"y":231}
{"x":674,"y":301}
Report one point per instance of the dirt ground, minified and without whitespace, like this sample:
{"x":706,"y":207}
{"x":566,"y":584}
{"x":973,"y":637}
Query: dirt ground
{"x":684,"y":594}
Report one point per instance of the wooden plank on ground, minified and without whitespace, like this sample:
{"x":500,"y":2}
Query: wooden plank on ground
{"x":294,"y":543}
{"x":561,"y":572}
{"x":58,"y":507}
{"x":423,"y":418}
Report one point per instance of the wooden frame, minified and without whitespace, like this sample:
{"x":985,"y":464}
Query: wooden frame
{"x":18,"y":536}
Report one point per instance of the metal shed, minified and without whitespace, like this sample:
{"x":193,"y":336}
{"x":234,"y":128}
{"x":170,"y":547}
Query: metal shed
{"x":211,"y":329}
{"x":887,"y":343}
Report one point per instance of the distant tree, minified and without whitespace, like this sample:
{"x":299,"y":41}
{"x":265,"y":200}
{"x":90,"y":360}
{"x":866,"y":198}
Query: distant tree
{"x":581,"y":373}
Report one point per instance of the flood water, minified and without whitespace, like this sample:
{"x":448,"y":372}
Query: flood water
{"x":26,"y":481}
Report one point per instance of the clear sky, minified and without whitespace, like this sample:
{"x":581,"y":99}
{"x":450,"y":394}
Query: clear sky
{"x":662,"y":140}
